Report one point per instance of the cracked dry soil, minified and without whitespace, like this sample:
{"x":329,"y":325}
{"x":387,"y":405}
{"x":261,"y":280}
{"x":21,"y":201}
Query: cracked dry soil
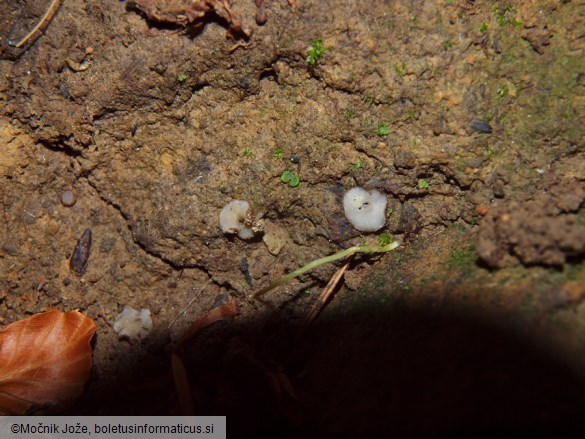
{"x":468,"y":115}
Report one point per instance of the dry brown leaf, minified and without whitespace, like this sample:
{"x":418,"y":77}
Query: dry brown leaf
{"x":182,"y":385}
{"x":222,"y":312}
{"x":45,"y":361}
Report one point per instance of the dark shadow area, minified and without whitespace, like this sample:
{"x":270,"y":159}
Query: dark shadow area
{"x":375,"y":371}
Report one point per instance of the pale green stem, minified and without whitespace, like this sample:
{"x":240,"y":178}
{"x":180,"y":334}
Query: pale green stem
{"x":362,"y":248}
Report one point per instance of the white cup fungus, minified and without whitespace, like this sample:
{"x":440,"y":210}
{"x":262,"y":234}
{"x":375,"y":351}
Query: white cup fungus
{"x":132,"y":324}
{"x":237,"y":217}
{"x":366,"y":211}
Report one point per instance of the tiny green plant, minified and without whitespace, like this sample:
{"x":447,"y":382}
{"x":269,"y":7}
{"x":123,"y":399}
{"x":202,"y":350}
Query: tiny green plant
{"x":385,"y":239}
{"x":505,"y":16}
{"x":448,"y":44}
{"x":389,"y":212}
{"x":483,"y":28}
{"x":247,"y":152}
{"x":412,"y":22}
{"x":369,"y":100}
{"x":400,"y":69}
{"x":502,"y":91}
{"x":182,"y":77}
{"x":410,"y":114}
{"x":423,"y":184}
{"x":356,"y":166}
{"x":382,"y":130}
{"x":463,"y":257}
{"x":314,"y":52}
{"x":348,"y":114}
{"x":291,"y":178}
{"x":277,"y":153}
{"x":361,"y":248}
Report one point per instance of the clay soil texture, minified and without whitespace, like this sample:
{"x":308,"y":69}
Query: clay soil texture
{"x":140,"y":125}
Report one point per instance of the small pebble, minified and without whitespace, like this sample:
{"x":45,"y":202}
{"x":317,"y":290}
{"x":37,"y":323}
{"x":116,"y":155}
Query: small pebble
{"x":80,"y":256}
{"x":481,"y":126}
{"x":68,"y":198}
{"x":295,"y":159}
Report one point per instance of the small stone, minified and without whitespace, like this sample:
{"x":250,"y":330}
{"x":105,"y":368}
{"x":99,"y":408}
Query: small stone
{"x":404,"y":160}
{"x":498,"y":189}
{"x":481,"y":210}
{"x":53,"y":227}
{"x":481,"y":126}
{"x":275,"y":237}
{"x":68,"y":198}
{"x":107,"y":244}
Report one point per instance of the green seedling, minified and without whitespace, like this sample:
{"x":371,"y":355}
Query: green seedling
{"x":502,"y":91}
{"x":182,"y":77}
{"x":504,"y":16}
{"x":356,"y":166}
{"x":384,"y":239}
{"x":314,"y":52}
{"x":412,"y":22}
{"x":382,"y":130}
{"x":277,"y":153}
{"x":464,"y":257}
{"x":348,"y":115}
{"x":362,"y":248}
{"x":399,"y":69}
{"x":423,"y":184}
{"x":291,"y":178}
{"x":369,"y":100}
{"x":247,"y":152}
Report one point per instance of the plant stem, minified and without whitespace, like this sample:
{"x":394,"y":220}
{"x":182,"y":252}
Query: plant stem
{"x":362,"y":248}
{"x":48,"y":15}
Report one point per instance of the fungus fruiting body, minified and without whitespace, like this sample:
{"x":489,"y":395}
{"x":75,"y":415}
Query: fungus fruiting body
{"x":132,"y":324}
{"x":366,"y":211}
{"x":237,"y":217}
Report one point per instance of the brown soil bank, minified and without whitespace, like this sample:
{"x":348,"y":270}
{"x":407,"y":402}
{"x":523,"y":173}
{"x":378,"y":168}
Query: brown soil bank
{"x":140,"y":121}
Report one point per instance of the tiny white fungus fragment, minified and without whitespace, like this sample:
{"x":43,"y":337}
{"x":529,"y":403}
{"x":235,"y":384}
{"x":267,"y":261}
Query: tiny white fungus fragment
{"x":366,"y":211}
{"x":132,"y":325}
{"x":237,"y":217}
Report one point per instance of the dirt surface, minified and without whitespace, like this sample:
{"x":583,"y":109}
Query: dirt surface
{"x":468,"y":115}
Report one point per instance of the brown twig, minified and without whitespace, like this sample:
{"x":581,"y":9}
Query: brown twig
{"x":196,"y":296}
{"x":326,"y":294}
{"x":47,"y":17}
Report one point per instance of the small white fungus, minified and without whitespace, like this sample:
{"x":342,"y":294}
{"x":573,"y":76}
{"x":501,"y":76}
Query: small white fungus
{"x":132,"y":325}
{"x":366,"y":211}
{"x":237,"y":217}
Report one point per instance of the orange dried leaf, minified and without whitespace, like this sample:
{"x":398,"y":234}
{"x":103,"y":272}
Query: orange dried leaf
{"x":223,"y":312}
{"x":182,"y":385}
{"x":45,"y":361}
